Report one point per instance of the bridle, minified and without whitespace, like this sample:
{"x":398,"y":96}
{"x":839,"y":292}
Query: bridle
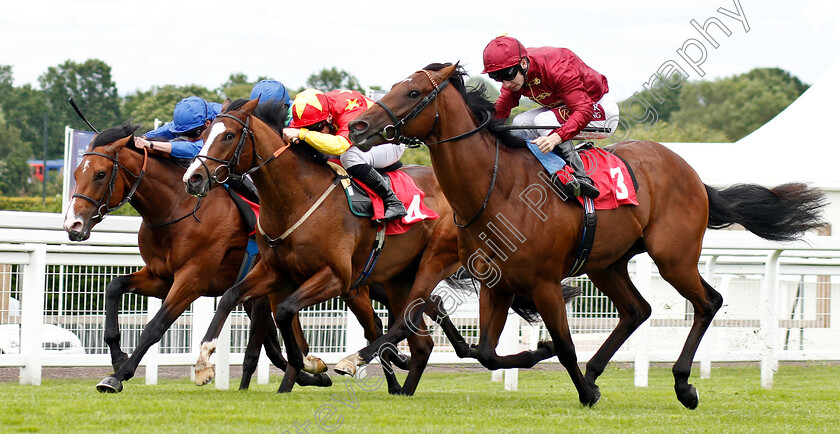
{"x":391,"y":133}
{"x":102,"y":207}
{"x":231,"y":164}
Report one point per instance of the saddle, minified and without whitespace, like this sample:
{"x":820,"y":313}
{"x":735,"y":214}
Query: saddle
{"x":364,"y":203}
{"x":358,"y":197}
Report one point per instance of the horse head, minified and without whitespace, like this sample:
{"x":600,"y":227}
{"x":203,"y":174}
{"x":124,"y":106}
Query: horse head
{"x":224,"y":143}
{"x":99,"y":187}
{"x":404,"y":113}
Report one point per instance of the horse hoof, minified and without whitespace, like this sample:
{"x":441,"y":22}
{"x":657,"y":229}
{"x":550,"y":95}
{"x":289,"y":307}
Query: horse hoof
{"x":314,"y":365}
{"x":402,"y":361}
{"x":689,"y":397}
{"x":204,"y":376}
{"x":306,"y":379}
{"x":109,"y":385}
{"x":324,"y":380}
{"x":345,"y":367}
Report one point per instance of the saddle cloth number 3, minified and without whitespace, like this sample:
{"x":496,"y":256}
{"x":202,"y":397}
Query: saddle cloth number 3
{"x":621,"y":191}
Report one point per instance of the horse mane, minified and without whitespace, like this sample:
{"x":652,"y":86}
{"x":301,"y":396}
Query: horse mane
{"x":275,"y":114}
{"x":476,"y":100}
{"x":111,"y":135}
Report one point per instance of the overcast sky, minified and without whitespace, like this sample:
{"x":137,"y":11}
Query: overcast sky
{"x":156,"y":42}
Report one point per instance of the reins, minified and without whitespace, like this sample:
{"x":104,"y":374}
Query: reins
{"x":486,"y":197}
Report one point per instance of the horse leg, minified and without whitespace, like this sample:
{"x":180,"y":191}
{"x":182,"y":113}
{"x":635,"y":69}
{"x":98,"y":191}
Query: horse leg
{"x":633,"y":310}
{"x":321,"y":286}
{"x":259,"y":282}
{"x":421,"y":345}
{"x":435,"y":310}
{"x":706,"y":302}
{"x":142,"y":282}
{"x":174,"y":305}
{"x":363,"y":311}
{"x":434,"y":266}
{"x":677,"y":259}
{"x":493,"y":314}
{"x":259,"y":334}
{"x":378,"y":293}
{"x":552,"y":308}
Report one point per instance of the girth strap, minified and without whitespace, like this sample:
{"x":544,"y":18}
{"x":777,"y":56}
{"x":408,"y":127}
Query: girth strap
{"x":378,"y":245}
{"x":587,"y":237}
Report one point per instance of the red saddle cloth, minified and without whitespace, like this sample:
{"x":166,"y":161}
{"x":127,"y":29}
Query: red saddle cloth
{"x":254,"y":207}
{"x":410,"y":195}
{"x":610,"y":175}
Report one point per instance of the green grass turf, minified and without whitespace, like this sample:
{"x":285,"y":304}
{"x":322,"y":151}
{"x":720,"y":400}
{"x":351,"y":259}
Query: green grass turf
{"x":804,"y":399}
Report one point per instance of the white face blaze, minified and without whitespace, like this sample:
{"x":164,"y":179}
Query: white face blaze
{"x":70,"y":217}
{"x":215,"y":131}
{"x":86,"y":166}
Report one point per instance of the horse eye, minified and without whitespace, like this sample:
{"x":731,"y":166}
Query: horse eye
{"x":414,"y":94}
{"x":229,"y":136}
{"x":99,"y":176}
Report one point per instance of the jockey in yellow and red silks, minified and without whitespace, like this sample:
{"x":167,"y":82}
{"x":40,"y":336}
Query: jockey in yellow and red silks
{"x":322,"y":121}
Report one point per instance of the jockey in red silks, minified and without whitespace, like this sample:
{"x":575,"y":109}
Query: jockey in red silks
{"x":573,"y":96}
{"x":322,"y":120}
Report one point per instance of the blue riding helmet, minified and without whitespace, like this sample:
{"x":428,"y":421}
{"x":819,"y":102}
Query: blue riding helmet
{"x":271,"y":90}
{"x":192,"y":112}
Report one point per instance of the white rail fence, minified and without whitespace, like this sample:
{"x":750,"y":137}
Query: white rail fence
{"x":781,"y":303}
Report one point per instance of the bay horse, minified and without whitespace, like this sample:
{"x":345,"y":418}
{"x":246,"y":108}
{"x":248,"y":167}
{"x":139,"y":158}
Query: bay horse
{"x":313,"y":248}
{"x":191,"y":248}
{"x":483,"y":171}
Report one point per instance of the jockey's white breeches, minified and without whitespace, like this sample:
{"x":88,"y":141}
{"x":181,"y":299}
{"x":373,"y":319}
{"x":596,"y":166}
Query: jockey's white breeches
{"x":379,"y":156}
{"x":606,"y":117}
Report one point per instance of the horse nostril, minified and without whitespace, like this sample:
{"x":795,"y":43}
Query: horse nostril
{"x":359,"y":126}
{"x":196,"y":179}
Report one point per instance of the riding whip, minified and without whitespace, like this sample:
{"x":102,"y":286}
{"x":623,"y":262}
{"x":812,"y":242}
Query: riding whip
{"x":81,"y":115}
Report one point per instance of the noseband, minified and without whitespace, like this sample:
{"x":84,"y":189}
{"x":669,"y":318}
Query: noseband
{"x":230,"y":165}
{"x":102,"y":207}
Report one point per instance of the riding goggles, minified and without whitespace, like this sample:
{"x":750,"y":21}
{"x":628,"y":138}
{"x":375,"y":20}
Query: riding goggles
{"x":506,"y":74}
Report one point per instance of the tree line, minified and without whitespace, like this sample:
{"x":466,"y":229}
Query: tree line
{"x":722,"y":110}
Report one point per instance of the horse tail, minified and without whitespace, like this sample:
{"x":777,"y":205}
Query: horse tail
{"x":781,"y":213}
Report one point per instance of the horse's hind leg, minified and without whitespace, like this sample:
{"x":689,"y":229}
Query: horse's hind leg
{"x":261,"y":332}
{"x":633,"y":310}
{"x":142,"y":282}
{"x":680,"y":270}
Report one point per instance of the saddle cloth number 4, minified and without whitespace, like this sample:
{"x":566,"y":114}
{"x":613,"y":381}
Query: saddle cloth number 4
{"x":413,"y":213}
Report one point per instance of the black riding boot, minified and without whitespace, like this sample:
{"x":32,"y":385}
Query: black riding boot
{"x":582,"y":184}
{"x":394,"y":209}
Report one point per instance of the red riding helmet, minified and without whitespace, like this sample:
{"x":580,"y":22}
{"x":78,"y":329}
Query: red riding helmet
{"x":310,"y":107}
{"x":502,"y":52}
